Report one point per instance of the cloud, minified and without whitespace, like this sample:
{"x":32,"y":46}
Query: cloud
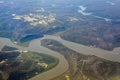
{"x":1,"y":2}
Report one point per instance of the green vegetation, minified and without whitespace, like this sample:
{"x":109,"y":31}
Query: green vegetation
{"x":8,"y":56}
{"x":84,"y":67}
{"x":37,"y":20}
{"x":24,"y":64}
{"x":8,"y":48}
{"x":94,"y":33}
{"x":41,"y":58}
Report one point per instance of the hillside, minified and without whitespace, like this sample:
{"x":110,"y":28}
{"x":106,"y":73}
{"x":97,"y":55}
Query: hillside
{"x":89,"y":22}
{"x":84,"y":67}
{"x":105,"y":35}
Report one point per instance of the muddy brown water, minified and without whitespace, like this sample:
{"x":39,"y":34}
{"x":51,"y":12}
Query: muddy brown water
{"x":63,"y":65}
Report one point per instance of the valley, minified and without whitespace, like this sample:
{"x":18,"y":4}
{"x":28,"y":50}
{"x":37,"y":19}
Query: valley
{"x":34,"y":46}
{"x":84,"y":67}
{"x":81,"y":50}
{"x":59,"y":40}
{"x":22,"y":65}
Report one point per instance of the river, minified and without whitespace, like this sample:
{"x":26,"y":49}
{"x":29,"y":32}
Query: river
{"x":109,"y":55}
{"x":63,"y":65}
{"x":35,"y":46}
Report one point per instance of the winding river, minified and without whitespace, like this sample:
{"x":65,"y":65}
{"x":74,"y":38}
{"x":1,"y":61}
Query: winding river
{"x":36,"y":47}
{"x":63,"y":65}
{"x":108,"y":55}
